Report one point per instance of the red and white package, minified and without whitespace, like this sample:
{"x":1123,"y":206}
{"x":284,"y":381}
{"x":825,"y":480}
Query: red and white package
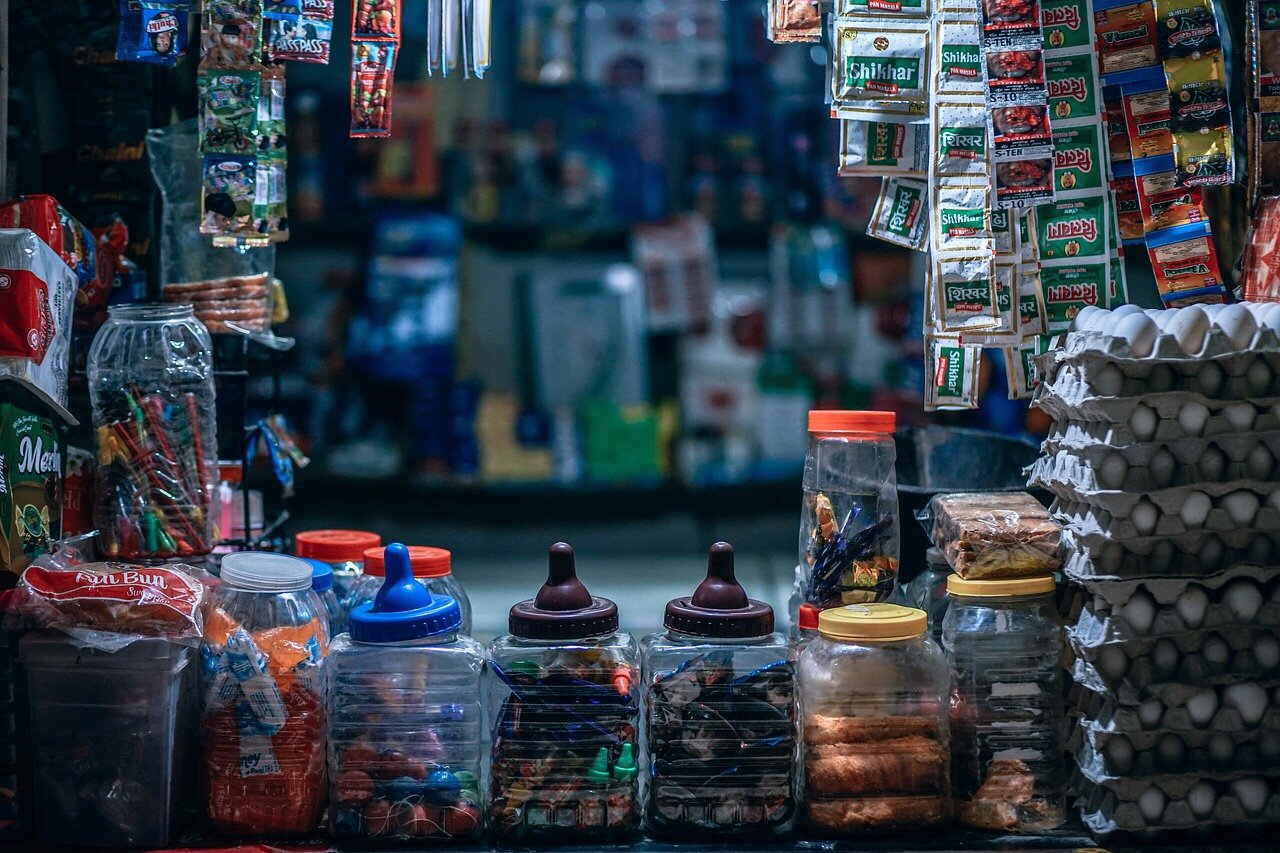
{"x":1260,"y":279}
{"x":37,"y":297}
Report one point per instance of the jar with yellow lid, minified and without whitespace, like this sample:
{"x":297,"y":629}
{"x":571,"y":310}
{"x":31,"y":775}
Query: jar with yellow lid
{"x":874,"y":697}
{"x":1004,"y":641}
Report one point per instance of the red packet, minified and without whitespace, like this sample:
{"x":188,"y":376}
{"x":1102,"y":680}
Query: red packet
{"x":372,"y":20}
{"x":372,"y":69}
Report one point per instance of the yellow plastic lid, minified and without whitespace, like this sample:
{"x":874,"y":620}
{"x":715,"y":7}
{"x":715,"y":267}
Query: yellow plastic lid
{"x":880,"y":622}
{"x":1004,"y":588}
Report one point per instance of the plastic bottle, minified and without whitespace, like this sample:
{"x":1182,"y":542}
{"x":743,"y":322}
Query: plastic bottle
{"x":720,"y":694}
{"x":433,"y":567}
{"x":564,"y":708}
{"x":405,"y":717}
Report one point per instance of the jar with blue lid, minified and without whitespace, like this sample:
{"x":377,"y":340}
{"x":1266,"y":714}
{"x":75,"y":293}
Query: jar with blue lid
{"x":322,"y":586}
{"x":405,"y":719}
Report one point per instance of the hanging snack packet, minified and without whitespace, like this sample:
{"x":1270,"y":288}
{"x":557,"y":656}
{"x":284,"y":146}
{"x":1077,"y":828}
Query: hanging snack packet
{"x":899,"y":216}
{"x":1203,"y":159}
{"x":882,"y":148}
{"x":1197,"y":94}
{"x":1020,"y":132}
{"x":961,"y":217}
{"x":793,"y":21}
{"x":1266,"y":49}
{"x":1266,"y":155}
{"x":966,"y":294}
{"x":1077,"y":160}
{"x":888,"y":8}
{"x":1117,"y":282}
{"x":1020,"y":369}
{"x":1005,"y":331}
{"x":372,"y":68}
{"x":228,"y":189}
{"x":1069,"y":289}
{"x":951,"y":373}
{"x":961,"y":146}
{"x":229,"y":111}
{"x":1163,"y":204}
{"x":1070,"y":87}
{"x":372,"y":20}
{"x":270,"y":140}
{"x":1147,"y":122}
{"x":1031,"y":317}
{"x":1261,"y":280}
{"x":154,"y":32}
{"x":1183,"y":263}
{"x":1117,"y":132}
{"x":1003,"y":240}
{"x":958,"y":58}
{"x":1065,"y":24}
{"x":1128,"y":210}
{"x":1015,"y":78}
{"x":1187,"y":28}
{"x":1010,"y":24}
{"x":880,"y":60}
{"x":1024,"y":183}
{"x":299,"y":38}
{"x":1072,"y":229}
{"x":270,"y":212}
{"x":1126,"y":37}
{"x":231,"y":34}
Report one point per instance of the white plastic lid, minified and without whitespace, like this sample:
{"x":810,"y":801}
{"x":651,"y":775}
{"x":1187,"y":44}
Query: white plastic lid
{"x":258,"y":571}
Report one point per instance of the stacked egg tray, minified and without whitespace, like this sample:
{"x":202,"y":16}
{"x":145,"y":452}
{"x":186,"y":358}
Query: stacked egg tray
{"x":1164,"y":460}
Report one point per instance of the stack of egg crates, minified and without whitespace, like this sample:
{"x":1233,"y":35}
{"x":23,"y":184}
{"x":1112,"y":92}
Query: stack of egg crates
{"x":1164,"y":459}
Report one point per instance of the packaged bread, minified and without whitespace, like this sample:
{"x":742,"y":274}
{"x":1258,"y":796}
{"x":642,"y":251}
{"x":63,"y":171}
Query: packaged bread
{"x":995,"y":534}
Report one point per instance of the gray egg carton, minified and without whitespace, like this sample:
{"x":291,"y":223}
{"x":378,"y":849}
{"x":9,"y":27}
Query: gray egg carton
{"x":1089,"y":519}
{"x":1105,"y":712}
{"x":1099,"y":626}
{"x":1155,"y":754}
{"x":1110,"y":807}
{"x":1099,"y":666}
{"x":1092,"y":345}
{"x":1075,"y":403}
{"x":1097,"y":556}
{"x":1058,"y":481}
{"x":1080,"y":465}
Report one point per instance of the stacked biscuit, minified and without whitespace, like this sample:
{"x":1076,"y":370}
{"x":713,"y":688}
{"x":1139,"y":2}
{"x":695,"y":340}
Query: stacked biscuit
{"x":227,"y":304}
{"x":1163,"y":459}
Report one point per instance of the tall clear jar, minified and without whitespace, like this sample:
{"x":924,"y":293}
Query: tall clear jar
{"x":849,"y":535}
{"x":433,"y":567}
{"x":720,"y":714}
{"x":405,"y":718}
{"x":564,"y":710}
{"x":151,"y":385}
{"x":342,"y":549}
{"x":263,"y":731}
{"x":1004,"y":639}
{"x":927,"y":591}
{"x":874,"y":697}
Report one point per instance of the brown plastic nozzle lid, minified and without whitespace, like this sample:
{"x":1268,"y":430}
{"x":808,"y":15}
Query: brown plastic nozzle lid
{"x":719,"y":607}
{"x":564,"y":609}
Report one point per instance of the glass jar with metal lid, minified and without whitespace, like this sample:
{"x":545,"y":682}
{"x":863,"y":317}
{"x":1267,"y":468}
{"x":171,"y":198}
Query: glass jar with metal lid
{"x":1004,"y":640}
{"x":874,"y":696}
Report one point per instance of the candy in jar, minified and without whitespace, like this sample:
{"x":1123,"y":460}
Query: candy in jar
{"x":263,"y":767}
{"x":1004,"y":640}
{"x":563,"y":702}
{"x":405,"y":720}
{"x":874,"y":698}
{"x":720,"y":705}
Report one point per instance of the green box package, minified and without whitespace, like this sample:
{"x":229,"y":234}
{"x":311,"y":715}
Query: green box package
{"x":32,"y":467}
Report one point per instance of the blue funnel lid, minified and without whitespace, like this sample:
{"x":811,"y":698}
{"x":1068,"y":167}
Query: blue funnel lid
{"x":321,"y":576}
{"x":403,"y":609}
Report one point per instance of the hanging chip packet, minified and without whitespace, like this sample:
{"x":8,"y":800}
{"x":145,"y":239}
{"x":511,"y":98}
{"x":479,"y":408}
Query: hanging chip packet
{"x":299,"y":32}
{"x":231,"y":34}
{"x":152,"y":31}
{"x":375,"y":44}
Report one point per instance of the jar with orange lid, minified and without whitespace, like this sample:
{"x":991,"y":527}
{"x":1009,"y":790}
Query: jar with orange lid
{"x":874,"y":698}
{"x":342,"y":549}
{"x":433,"y":567}
{"x":1004,"y":641}
{"x":849,"y":536}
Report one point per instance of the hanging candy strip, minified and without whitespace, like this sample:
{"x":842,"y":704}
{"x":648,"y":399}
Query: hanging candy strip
{"x":375,"y":41}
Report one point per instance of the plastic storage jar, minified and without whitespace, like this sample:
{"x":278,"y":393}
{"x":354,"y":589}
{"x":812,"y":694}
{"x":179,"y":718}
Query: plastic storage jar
{"x":151,"y":383}
{"x":263,"y":733}
{"x":432,"y":566}
{"x":927,"y":591}
{"x":1004,"y":639}
{"x":342,"y":549}
{"x":112,"y":737}
{"x":849,"y":523}
{"x":322,"y":585}
{"x":564,"y":705}
{"x":874,"y":697}
{"x":405,"y":719}
{"x":720,"y":713}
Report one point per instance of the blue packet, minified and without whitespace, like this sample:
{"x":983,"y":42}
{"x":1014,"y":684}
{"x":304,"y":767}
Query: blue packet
{"x":152,"y":31}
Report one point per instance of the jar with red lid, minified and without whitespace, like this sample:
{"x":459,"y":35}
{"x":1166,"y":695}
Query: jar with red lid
{"x":432,"y":567}
{"x":342,"y":549}
{"x":564,"y":709}
{"x":849,"y":534}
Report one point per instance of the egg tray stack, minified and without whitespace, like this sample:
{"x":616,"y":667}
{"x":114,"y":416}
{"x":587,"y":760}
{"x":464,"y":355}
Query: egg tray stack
{"x":1164,"y":459}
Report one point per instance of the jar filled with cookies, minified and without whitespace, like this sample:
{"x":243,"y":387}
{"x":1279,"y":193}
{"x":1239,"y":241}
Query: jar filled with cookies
{"x":874,"y":699}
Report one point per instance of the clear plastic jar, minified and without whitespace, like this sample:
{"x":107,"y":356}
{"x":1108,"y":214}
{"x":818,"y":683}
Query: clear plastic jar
{"x":849,"y":524}
{"x":564,"y":707}
{"x":927,"y":591}
{"x":263,"y":766}
{"x":322,"y":585}
{"x":405,"y":718}
{"x":720,"y":714}
{"x":1004,"y":639}
{"x":874,"y":697}
{"x":342,"y":549}
{"x":433,"y":567}
{"x":151,"y":384}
